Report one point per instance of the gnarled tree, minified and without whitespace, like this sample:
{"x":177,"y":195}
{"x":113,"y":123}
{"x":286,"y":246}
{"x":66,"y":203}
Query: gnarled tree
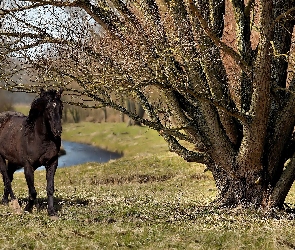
{"x":169,"y":55}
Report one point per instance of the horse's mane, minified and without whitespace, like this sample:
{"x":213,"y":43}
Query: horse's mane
{"x":38,"y":105}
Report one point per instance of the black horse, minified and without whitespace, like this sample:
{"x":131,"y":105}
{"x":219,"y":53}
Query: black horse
{"x":30,"y":142}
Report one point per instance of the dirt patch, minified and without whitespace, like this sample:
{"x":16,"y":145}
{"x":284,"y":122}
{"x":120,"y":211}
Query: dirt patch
{"x":136,"y":178}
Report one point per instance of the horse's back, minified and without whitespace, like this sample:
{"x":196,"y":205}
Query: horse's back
{"x":11,"y":132}
{"x":7,"y":115}
{"x":11,"y":123}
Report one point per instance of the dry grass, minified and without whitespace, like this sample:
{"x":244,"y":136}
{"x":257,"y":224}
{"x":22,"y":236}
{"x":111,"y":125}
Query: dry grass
{"x":145,"y":200}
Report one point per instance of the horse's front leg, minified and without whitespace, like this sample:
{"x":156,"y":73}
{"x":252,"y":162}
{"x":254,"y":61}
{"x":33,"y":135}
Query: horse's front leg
{"x":29,"y":174}
{"x":50,"y":172}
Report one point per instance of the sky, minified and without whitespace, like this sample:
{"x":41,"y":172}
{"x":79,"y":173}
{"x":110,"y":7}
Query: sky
{"x":58,"y":22}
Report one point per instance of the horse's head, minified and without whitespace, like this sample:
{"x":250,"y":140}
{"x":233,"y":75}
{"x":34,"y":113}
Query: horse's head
{"x":48,"y":105}
{"x":53,"y":110}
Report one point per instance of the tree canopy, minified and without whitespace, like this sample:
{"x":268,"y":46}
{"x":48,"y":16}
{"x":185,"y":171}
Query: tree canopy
{"x":217,"y":97}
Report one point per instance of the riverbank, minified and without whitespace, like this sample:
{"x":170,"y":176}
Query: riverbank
{"x":116,"y":137}
{"x":149,"y":199}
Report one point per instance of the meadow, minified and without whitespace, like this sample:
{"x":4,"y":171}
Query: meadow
{"x":148,"y":199}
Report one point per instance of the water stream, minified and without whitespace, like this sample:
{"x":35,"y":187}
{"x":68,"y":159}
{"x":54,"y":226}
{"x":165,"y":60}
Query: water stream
{"x":78,"y":153}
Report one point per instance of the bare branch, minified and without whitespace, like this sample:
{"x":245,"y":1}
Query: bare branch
{"x":225,"y":48}
{"x":190,"y":156}
{"x":234,"y":113}
{"x":4,"y":12}
{"x":284,"y":15}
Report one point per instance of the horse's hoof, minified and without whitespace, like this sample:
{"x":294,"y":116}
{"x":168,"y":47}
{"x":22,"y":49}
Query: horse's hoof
{"x":5,"y":202}
{"x":29,"y":208}
{"x":14,"y":205}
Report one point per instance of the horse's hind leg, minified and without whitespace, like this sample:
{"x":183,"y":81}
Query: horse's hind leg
{"x":29,"y":174}
{"x":14,"y":202}
{"x":7,"y":182}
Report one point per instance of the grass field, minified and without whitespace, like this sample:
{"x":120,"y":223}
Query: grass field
{"x":149,"y":199}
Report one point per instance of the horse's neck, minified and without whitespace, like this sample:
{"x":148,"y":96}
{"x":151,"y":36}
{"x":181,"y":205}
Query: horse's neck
{"x":40,"y":127}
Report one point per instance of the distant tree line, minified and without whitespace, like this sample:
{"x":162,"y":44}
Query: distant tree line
{"x":5,"y":101}
{"x":76,"y":114}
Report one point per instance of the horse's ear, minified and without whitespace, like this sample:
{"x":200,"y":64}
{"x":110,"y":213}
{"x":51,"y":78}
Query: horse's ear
{"x":59,"y":92}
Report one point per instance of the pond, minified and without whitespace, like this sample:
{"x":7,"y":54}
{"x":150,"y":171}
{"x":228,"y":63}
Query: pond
{"x":78,"y":153}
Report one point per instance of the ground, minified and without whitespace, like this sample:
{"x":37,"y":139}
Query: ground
{"x":149,"y":199}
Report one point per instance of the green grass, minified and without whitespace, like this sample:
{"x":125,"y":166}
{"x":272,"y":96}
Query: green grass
{"x":22,"y":108}
{"x":149,"y":199}
{"x":116,"y":137}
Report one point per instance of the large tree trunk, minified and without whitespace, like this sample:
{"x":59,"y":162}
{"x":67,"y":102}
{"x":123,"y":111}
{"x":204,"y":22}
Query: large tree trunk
{"x":256,"y":174}
{"x":240,"y":191}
